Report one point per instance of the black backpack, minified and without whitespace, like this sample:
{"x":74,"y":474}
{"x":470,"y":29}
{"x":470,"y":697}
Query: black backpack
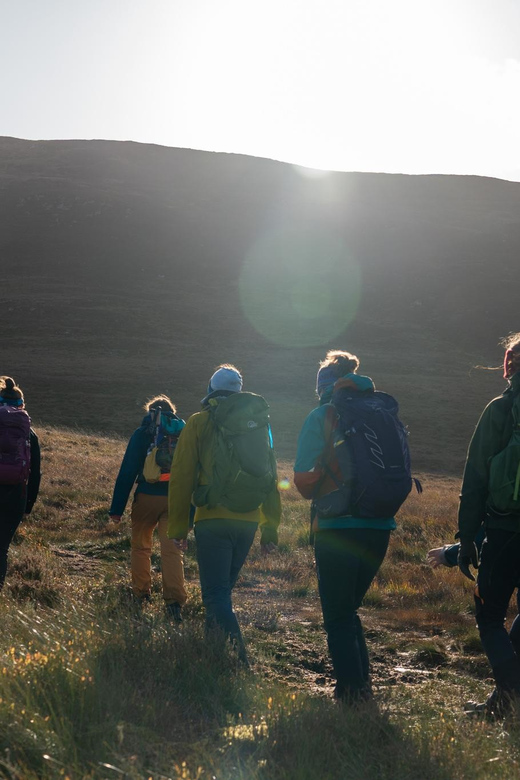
{"x":370,"y":449}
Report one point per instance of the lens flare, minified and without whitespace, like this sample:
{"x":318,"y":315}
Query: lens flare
{"x":284,"y":484}
{"x":300,"y":288}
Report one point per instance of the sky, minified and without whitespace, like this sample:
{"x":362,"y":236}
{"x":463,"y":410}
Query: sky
{"x":407,"y":86}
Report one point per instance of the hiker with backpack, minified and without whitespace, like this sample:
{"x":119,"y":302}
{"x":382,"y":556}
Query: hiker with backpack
{"x":146,"y":463}
{"x":19,"y":466}
{"x":225,"y":464}
{"x":353,"y":462}
{"x":490,"y":496}
{"x":448,"y":555}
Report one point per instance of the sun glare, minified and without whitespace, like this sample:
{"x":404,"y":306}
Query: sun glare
{"x":411,"y":87}
{"x":300,"y":286}
{"x":311,"y":173}
{"x":362,"y":87}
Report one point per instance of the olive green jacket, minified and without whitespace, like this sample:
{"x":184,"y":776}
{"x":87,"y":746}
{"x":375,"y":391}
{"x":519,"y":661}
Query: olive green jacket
{"x":491,"y":435}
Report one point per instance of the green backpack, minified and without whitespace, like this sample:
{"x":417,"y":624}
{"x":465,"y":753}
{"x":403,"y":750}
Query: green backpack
{"x":504,"y":470}
{"x":244,"y":470}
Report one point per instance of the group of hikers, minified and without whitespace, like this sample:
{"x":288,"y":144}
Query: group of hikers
{"x":217,"y":474}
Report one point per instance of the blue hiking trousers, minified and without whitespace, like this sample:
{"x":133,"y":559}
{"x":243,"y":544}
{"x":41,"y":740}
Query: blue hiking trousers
{"x":222,"y":548}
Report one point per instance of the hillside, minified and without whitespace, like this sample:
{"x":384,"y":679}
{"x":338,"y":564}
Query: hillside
{"x":129,"y":269}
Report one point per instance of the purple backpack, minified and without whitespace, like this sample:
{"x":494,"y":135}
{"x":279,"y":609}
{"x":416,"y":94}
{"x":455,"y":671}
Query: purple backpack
{"x":15,"y":445}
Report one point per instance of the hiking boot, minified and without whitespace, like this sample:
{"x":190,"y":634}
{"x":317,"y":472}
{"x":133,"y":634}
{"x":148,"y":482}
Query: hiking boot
{"x":496,"y":707}
{"x":174,"y":611}
{"x":238,"y":644}
{"x":136,"y":602}
{"x":353,"y":697}
{"x":243,"y":659}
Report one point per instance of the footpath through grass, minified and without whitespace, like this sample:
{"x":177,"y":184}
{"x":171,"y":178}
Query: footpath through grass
{"x":93,"y":688}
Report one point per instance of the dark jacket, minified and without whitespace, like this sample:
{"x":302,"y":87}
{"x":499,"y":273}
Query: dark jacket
{"x":33,"y":486}
{"x":451,"y":551}
{"x":491,"y":436}
{"x":132,"y":467}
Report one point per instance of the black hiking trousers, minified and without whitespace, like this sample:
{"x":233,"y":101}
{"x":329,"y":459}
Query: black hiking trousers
{"x":13,"y":500}
{"x":498,"y":577}
{"x":347,"y":560}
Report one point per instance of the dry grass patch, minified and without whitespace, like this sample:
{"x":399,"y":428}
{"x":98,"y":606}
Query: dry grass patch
{"x":93,"y":681}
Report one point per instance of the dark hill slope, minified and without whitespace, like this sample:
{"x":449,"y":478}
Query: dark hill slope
{"x":128,"y":269}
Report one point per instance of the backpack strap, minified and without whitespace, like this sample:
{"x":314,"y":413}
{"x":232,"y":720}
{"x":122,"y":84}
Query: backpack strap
{"x":330,"y":425}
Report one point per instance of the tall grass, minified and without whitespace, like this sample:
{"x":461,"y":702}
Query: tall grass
{"x":93,"y":688}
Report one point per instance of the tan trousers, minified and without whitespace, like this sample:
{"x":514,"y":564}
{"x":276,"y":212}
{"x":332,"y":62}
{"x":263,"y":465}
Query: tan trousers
{"x":147,"y":513}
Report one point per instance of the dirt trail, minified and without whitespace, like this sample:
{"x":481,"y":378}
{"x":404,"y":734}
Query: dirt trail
{"x":291,"y":633}
{"x":295,"y":638}
{"x":77,"y":563}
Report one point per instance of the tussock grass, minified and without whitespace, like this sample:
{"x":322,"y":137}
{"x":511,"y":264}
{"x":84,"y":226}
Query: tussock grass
{"x":36,"y":576}
{"x":94,"y":688}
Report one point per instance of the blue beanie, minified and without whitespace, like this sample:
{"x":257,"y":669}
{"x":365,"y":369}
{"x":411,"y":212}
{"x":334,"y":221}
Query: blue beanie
{"x":326,"y":377}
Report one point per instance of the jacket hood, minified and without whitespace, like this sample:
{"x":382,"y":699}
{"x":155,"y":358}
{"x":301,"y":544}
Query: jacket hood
{"x":356,"y":382}
{"x":514,"y":382}
{"x":146,"y":421}
{"x":216,"y":394}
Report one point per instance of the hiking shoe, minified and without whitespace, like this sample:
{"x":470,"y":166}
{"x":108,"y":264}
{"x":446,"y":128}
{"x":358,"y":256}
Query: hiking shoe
{"x":138,"y":602}
{"x":135,"y":603}
{"x":353,"y":697}
{"x":496,"y":707}
{"x":174,"y":611}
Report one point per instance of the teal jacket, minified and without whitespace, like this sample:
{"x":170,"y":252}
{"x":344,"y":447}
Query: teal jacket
{"x":314,"y":438}
{"x":491,"y":435}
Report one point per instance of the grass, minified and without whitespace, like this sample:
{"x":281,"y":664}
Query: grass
{"x":92,"y":688}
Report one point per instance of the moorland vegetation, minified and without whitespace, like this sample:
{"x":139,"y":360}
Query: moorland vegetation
{"x":92,"y":688}
{"x":140,"y":268}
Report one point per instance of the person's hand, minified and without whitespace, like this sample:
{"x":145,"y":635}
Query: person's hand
{"x":468,"y":554}
{"x":267,"y":549}
{"x":436,"y":557}
{"x":181,"y":544}
{"x":115,"y":518}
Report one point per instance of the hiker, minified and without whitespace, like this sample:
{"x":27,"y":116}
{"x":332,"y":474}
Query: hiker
{"x":448,"y":555}
{"x":353,"y":508}
{"x":155,"y":438}
{"x":490,"y":496}
{"x":225,"y":460}
{"x":19,"y":466}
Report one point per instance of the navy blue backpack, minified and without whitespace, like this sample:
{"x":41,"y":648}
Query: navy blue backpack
{"x":370,"y":450}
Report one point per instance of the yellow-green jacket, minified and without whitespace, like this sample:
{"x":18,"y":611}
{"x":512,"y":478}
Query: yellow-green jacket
{"x":192,"y":466}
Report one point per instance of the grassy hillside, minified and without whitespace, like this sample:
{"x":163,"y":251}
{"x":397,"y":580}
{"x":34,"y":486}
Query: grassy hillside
{"x":130,"y":269}
{"x":93,"y":689}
